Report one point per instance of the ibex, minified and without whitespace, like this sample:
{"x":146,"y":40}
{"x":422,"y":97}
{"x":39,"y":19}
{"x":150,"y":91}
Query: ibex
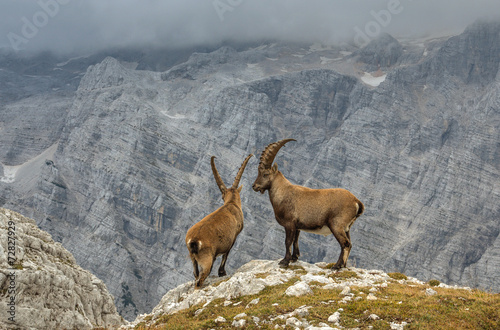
{"x":318,"y":211}
{"x":216,"y":233}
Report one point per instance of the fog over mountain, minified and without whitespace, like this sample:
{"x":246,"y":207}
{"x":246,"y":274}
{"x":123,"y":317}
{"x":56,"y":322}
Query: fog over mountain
{"x":91,"y":25}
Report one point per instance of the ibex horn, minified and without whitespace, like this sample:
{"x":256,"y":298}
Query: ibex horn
{"x":268,"y":155}
{"x":240,"y":172}
{"x":217,"y":177}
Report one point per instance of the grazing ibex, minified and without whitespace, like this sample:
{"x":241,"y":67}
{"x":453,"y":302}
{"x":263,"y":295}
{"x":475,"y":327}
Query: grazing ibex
{"x":318,"y":211}
{"x":216,"y":233}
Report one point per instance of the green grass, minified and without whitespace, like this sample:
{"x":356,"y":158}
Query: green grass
{"x":397,"y":276}
{"x":448,"y":309}
{"x":434,"y":282}
{"x":342,"y":275}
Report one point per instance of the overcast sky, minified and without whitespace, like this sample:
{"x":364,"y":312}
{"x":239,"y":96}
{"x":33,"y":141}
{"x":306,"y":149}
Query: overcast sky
{"x":89,"y":25}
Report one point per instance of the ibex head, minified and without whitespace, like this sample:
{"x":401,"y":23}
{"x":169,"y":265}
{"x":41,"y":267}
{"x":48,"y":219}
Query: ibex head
{"x":267,"y":170}
{"x":228,"y":193}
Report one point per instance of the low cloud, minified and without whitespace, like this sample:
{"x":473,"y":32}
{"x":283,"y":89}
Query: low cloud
{"x":90,"y":25}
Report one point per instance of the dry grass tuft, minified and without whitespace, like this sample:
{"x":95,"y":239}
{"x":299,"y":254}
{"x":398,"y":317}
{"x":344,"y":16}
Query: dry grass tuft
{"x":397,"y":276}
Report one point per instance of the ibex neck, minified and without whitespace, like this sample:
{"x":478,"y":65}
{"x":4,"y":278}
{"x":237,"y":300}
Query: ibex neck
{"x":236,"y":200}
{"x":279,"y":186}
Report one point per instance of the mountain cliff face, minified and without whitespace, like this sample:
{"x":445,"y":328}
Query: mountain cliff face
{"x":411,"y":128}
{"x":41,"y":285}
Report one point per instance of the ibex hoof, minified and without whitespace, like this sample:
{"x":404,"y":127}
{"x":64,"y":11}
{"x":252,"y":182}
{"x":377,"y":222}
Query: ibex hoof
{"x":284,"y":263}
{"x":294,"y":258}
{"x":336,"y":267}
{"x":222,"y":273}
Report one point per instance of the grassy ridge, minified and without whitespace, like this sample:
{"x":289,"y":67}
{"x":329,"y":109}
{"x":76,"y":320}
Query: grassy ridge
{"x":445,"y":309}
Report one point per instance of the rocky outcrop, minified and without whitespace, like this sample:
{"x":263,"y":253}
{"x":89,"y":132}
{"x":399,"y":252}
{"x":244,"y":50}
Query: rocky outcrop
{"x":380,"y":53}
{"x":42,"y":287}
{"x":473,"y":55}
{"x":256,"y":275}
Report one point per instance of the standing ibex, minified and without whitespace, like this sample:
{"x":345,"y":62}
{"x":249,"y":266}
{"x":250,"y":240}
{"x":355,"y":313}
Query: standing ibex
{"x":216,"y":233}
{"x":319,"y":211}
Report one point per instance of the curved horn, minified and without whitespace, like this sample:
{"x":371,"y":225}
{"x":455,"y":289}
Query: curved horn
{"x":217,"y":177}
{"x":267,"y":157}
{"x":240,"y":172}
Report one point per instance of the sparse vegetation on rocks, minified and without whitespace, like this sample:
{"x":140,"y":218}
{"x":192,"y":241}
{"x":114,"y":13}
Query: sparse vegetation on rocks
{"x":351,"y":298}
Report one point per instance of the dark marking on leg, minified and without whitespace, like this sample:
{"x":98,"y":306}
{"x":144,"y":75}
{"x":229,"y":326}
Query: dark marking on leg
{"x":296,"y":252}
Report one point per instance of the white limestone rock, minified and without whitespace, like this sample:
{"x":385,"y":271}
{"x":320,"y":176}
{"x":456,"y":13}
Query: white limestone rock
{"x":51,"y":290}
{"x":299,"y":289}
{"x":430,"y":292}
{"x":334,"y":318}
{"x":220,"y":319}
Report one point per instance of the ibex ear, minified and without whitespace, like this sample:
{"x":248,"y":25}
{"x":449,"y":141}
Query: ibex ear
{"x":275,"y":167}
{"x":239,"y":188}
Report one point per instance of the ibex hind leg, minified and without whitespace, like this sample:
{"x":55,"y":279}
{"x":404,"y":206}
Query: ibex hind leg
{"x":196,"y":272}
{"x":206,"y":263}
{"x":348,"y":234}
{"x":350,"y":247}
{"x":222,"y":270}
{"x":345,"y":247}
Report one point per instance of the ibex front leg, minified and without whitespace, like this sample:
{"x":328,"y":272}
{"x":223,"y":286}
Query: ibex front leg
{"x":296,"y":252}
{"x":290,"y":236}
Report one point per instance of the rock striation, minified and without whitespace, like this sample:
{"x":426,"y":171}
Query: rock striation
{"x":122,"y":169}
{"x":42,"y":287}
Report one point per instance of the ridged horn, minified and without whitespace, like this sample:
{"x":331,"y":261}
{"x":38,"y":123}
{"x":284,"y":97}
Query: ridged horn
{"x":268,"y":155}
{"x":240,"y":172}
{"x":217,"y":177}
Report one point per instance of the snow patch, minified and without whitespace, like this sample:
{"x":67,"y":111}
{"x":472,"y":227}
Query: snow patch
{"x":165,"y":112}
{"x":28,"y":168}
{"x":69,"y":60}
{"x":368,"y":79}
{"x":326,"y":60}
{"x":317,"y":47}
{"x":9,"y":173}
{"x":177,"y":116}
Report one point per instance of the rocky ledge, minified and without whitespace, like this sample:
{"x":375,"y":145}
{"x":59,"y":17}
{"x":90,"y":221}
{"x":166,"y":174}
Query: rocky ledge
{"x":42,"y":287}
{"x":257,"y":275}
